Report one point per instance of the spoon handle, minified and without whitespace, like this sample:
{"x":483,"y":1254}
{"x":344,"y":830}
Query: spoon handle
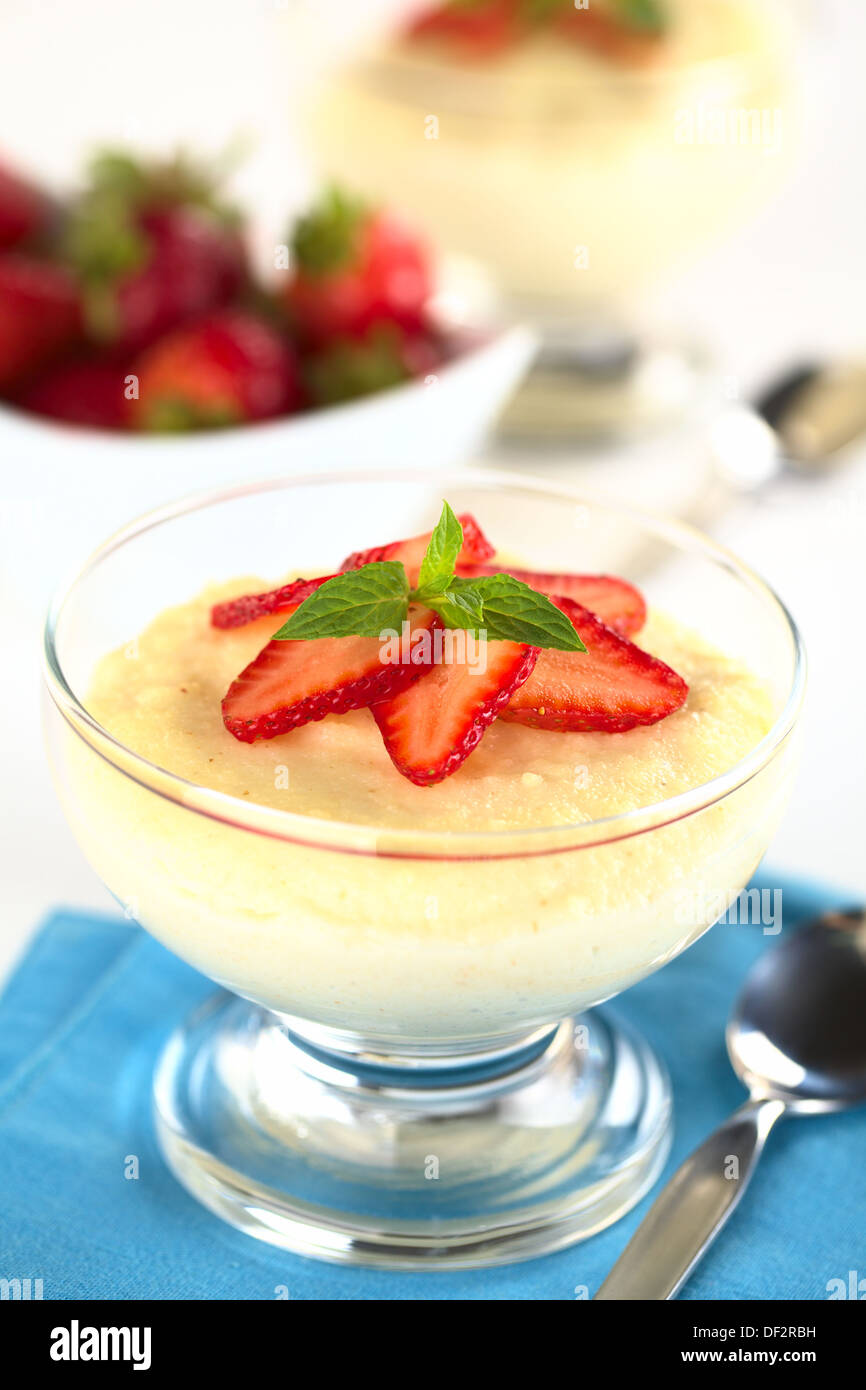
{"x":693,"y":1207}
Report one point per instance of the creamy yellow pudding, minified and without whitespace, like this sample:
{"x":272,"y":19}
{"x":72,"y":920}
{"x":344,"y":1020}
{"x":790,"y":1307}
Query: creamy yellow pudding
{"x":388,"y":941}
{"x":577,"y":179}
{"x":165,"y":704}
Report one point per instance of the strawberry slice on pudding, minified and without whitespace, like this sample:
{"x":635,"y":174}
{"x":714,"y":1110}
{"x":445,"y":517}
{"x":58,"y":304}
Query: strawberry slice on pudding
{"x":614,"y":600}
{"x":611,"y":687}
{"x":475,"y":550}
{"x":439,"y":654}
{"x":293,"y":682}
{"x":237,"y":612}
{"x":479,"y":30}
{"x":606,"y":33}
{"x":431,"y":728}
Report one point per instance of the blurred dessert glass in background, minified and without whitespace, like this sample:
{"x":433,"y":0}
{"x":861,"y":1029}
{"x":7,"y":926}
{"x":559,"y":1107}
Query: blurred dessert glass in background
{"x":582,"y":153}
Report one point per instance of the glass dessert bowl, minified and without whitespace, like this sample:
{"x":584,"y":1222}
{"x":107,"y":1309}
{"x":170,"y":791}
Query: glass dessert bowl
{"x":398,"y":1076}
{"x":581,"y":177}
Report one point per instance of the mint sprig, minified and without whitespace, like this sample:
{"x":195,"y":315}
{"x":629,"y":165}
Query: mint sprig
{"x":437,"y":567}
{"x":514,"y":612}
{"x":360,"y":603}
{"x":368,"y":601}
{"x":646,"y":15}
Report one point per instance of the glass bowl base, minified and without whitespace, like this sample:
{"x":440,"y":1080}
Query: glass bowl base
{"x":363,"y":1160}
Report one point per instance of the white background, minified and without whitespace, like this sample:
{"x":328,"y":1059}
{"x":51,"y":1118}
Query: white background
{"x":791,"y":285}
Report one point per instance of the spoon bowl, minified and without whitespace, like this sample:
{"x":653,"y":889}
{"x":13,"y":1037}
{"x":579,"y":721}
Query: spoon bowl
{"x":798,"y":1031}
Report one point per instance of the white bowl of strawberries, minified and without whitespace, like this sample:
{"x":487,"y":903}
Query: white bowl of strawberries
{"x":140,"y":357}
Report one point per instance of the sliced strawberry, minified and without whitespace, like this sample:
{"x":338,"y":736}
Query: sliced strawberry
{"x":476,"y":549}
{"x":291,"y":683}
{"x":612,"y":686}
{"x":237,"y":612}
{"x":609,"y":36}
{"x":480,"y":29}
{"x":616,"y":602}
{"x":432,"y":727}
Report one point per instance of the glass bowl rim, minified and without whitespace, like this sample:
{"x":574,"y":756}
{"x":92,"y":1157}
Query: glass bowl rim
{"x":316,"y":832}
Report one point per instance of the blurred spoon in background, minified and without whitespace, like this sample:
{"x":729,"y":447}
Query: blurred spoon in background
{"x":801,"y":424}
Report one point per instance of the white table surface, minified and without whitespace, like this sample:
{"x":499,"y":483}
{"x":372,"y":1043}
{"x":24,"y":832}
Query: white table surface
{"x":791,"y":284}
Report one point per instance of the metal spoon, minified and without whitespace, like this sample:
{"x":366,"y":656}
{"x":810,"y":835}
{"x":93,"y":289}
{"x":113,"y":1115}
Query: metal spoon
{"x":797,"y":1040}
{"x":802,"y":423}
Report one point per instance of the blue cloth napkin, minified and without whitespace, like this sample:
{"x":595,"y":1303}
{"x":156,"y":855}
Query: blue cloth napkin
{"x":82,"y":1021}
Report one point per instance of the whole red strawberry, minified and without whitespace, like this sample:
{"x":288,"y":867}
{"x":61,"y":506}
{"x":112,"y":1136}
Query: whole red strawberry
{"x":225,"y":370}
{"x":87,"y":391}
{"x":153,"y":248}
{"x":24,"y":208}
{"x":347,"y":368}
{"x":40,"y":316}
{"x":355,"y":267}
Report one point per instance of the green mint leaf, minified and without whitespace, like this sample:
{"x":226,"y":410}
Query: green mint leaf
{"x":459,"y":607}
{"x":360,"y":603}
{"x":648,"y":16}
{"x":437,"y":567}
{"x":367,"y":601}
{"x":512,"y":612}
